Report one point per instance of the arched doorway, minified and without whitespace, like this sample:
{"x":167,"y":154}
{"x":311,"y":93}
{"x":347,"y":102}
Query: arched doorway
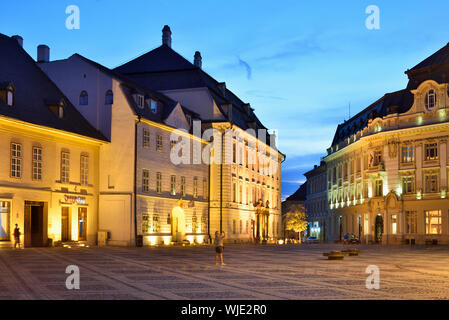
{"x":178,"y":223}
{"x":379,"y":228}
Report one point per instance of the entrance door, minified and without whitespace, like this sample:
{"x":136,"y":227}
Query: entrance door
{"x":35,"y":228}
{"x":379,"y":228}
{"x":65,"y":224}
{"x":82,"y":224}
{"x":4,"y":220}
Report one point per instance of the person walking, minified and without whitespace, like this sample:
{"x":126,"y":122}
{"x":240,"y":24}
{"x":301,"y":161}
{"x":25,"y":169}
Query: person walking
{"x":16,"y":236}
{"x":219,"y":247}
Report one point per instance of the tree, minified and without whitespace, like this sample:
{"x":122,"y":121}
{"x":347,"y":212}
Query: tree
{"x":296,"y":220}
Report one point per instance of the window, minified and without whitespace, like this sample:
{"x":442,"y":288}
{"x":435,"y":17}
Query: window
{"x":10,"y":98}
{"x":153,"y":106}
{"x":156,"y":225}
{"x":431,"y":151}
{"x":241,"y":227}
{"x":411,"y":221}
{"x":84,"y":170}
{"x":159,"y":182}
{"x":146,"y":138}
{"x":159,"y":143}
{"x":173,"y":185}
{"x":234,"y":192}
{"x":408,"y":154}
{"x":37,"y":163}
{"x":145,"y":223}
{"x":183,"y":186}
{"x":205,"y":189}
{"x":430,"y":99}
{"x":408,"y":184}
{"x":378,"y":188}
{"x":140,"y":101}
{"x":247,"y":226}
{"x":145,"y":180}
{"x":195,"y":187}
{"x":16,"y":160}
{"x":366,"y":223}
{"x":61,"y":111}
{"x":234,"y":229}
{"x":433,"y":222}
{"x":240,"y":193}
{"x":84,"y":98}
{"x":109,"y":97}
{"x":394,"y":224}
{"x":65,"y":167}
{"x":194,"y":224}
{"x":431,"y":181}
{"x":203,"y":224}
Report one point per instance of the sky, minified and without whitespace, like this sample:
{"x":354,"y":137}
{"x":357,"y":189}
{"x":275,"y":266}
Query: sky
{"x":300,"y":64}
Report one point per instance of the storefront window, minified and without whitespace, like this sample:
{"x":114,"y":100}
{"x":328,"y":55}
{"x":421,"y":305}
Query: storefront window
{"x":433,"y":222}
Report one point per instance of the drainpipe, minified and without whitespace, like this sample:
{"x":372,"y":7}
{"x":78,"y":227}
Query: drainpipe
{"x":135,"y":180}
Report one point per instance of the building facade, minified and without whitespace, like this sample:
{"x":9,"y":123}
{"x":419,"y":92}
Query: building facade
{"x":387,"y":167}
{"x":316,"y":202}
{"x":49,"y":164}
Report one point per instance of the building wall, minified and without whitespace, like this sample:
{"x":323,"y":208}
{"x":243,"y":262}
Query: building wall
{"x":50,"y":190}
{"x":316,"y":203}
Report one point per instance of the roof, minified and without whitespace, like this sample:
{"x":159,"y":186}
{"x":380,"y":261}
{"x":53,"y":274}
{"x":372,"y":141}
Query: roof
{"x":34,"y":90}
{"x":165,"y":69}
{"x":395,"y":102}
{"x":439,"y":57}
{"x":300,"y":194}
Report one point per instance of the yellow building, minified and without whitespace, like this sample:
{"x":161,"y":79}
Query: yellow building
{"x":388,"y":165}
{"x":49,"y":160}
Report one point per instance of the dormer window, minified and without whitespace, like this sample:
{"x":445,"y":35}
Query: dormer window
{"x":10,"y":97}
{"x":61,"y":110}
{"x":153,"y":105}
{"x":84,"y":98}
{"x":189,"y":119}
{"x":56,"y":108}
{"x":431,"y":99}
{"x":140,"y":101}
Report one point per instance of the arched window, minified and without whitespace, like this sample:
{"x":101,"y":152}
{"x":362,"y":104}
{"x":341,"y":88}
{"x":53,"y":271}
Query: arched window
{"x":431,"y":99}
{"x":84,"y":98}
{"x":109,"y":97}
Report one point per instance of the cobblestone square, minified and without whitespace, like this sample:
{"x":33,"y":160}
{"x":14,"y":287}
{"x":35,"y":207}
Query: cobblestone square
{"x":251,"y":272}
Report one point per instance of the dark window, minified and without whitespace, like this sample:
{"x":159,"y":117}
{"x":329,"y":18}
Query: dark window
{"x":109,"y":97}
{"x":84,"y":98}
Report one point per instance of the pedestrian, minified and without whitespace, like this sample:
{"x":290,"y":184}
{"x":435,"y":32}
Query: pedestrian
{"x":219,"y":247}
{"x":16,"y":236}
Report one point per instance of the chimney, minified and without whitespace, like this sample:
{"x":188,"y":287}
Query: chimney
{"x":197,"y":60}
{"x":166,"y":36}
{"x":19,"y":39}
{"x":43,"y":53}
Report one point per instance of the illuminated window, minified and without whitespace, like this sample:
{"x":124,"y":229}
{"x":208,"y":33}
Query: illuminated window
{"x":431,"y":151}
{"x":109,"y":97}
{"x":37,"y":163}
{"x":433,"y":222}
{"x":146,"y":138}
{"x":145,"y":180}
{"x":159,"y":182}
{"x":65,"y":167}
{"x":140,"y":101}
{"x":205,"y":189}
{"x":145,"y":223}
{"x":195,"y":187}
{"x":408,"y":184}
{"x":430,"y":99}
{"x":240,"y":193}
{"x":84,"y":98}
{"x":378,"y":190}
{"x":156,"y":225}
{"x":194,"y":224}
{"x":431,"y":181}
{"x":394,"y":224}
{"x":408,"y":154}
{"x":16,"y":160}
{"x":234,"y":192}
{"x":159,"y":143}
{"x":411,"y":221}
{"x":153,"y":105}
{"x":84,"y":170}
{"x":173,"y":185}
{"x":203,"y":224}
{"x":183,"y":186}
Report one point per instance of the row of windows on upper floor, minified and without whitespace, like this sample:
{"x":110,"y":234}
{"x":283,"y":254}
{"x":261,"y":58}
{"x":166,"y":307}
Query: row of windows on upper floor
{"x":16,"y":160}
{"x":173,"y":185}
{"x":109,"y":99}
{"x":258,"y":194}
{"x":375,"y":159}
{"x":316,"y":206}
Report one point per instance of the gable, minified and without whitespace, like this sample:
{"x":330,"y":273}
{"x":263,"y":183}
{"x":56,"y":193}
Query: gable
{"x":177,"y":119}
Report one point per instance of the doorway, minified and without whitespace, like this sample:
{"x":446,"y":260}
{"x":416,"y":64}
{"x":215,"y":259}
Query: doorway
{"x":65,"y":224}
{"x":379,"y":228}
{"x":35,"y":229}
{"x":82,"y":224}
{"x":5,"y":210}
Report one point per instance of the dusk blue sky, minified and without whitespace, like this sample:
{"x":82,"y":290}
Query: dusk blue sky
{"x":299,"y":63}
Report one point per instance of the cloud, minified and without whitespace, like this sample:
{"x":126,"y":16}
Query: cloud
{"x":247,"y":67}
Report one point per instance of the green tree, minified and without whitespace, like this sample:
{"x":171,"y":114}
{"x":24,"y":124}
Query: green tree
{"x":296,"y":220}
